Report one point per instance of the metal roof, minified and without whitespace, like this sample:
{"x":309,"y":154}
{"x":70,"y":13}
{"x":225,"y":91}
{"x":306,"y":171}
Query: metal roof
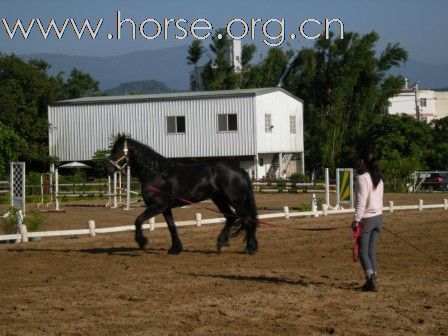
{"x":173,"y":96}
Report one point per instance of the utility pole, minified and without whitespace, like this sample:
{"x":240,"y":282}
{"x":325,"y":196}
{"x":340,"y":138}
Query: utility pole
{"x":417,"y":106}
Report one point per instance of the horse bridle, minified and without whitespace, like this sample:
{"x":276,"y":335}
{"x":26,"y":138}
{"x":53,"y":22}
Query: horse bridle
{"x":116,"y":163}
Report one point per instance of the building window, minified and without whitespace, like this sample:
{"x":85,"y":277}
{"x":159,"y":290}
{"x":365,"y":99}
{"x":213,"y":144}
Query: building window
{"x":292,"y":124}
{"x":423,"y":102}
{"x":175,"y":125}
{"x":268,"y":123}
{"x":227,"y":122}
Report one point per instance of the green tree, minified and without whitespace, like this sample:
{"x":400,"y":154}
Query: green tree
{"x":80,"y":84}
{"x":438,"y":159}
{"x":12,"y":147}
{"x":195,"y":51}
{"x":25,"y":92}
{"x":268,"y":72}
{"x":218,"y":73}
{"x":345,"y":87}
{"x":402,"y":143}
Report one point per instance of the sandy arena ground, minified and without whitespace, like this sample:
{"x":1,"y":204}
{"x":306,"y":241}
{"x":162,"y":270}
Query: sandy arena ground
{"x":302,"y":281}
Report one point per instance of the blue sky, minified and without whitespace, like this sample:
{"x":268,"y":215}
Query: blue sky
{"x":420,"y":26}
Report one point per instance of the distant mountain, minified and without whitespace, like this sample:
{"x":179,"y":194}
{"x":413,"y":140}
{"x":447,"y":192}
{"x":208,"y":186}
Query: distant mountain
{"x":138,"y":87}
{"x":168,"y":66}
{"x":429,"y":76}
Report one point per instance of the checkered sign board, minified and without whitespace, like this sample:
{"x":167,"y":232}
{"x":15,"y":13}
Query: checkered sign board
{"x":17,"y":185}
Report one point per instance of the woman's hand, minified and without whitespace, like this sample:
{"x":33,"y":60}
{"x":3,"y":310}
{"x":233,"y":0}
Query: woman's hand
{"x":354,"y":225}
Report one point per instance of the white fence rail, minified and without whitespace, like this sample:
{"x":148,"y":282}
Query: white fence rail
{"x":4,"y":187}
{"x":92,"y":231}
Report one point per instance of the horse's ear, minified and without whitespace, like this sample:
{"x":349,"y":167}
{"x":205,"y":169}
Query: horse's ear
{"x":121,"y":136}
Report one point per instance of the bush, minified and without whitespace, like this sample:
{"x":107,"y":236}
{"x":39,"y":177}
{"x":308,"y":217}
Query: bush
{"x":303,"y":207}
{"x":293,"y":189}
{"x":281,"y":185}
{"x":33,"y":178}
{"x":298,"y":178}
{"x":33,"y":221}
{"x":8,"y":224}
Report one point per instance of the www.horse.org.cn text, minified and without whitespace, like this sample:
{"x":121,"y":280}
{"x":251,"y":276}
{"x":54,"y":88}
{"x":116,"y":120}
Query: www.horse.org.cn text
{"x":272,"y":32}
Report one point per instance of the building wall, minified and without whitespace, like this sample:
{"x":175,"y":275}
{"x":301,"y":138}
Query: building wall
{"x":281,"y":107}
{"x":77,"y":131}
{"x":404,"y":103}
{"x":441,"y":104}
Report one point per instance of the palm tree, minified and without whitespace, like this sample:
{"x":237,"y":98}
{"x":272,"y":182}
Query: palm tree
{"x":195,"y":51}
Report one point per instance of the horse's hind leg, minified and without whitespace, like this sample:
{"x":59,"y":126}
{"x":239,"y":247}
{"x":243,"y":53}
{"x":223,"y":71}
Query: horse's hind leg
{"x":246,"y":210}
{"x":223,"y":206}
{"x":176,"y":246}
{"x":139,"y":237}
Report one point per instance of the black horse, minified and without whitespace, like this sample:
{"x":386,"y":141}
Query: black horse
{"x":167,"y":184}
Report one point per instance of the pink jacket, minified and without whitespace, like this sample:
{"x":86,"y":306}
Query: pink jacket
{"x":368,"y":202}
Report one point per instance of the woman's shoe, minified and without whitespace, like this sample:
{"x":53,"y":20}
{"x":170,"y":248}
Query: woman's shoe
{"x":370,"y":285}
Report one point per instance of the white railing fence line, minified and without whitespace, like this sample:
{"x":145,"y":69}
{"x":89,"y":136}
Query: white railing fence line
{"x":91,"y":230}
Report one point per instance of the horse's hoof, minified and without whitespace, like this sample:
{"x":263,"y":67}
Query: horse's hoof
{"x":175,"y":250}
{"x":221,"y":245}
{"x":142,"y":242}
{"x":251,"y":249}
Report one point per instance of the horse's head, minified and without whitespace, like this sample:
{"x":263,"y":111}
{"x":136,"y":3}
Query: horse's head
{"x":119,"y":155}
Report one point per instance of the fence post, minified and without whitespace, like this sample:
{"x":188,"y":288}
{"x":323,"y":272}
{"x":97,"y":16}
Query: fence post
{"x":314,"y":206}
{"x":420,"y":204}
{"x":391,"y":206}
{"x":445,"y":204}
{"x":198,"y":219}
{"x":325,"y":209}
{"x":286,"y":211}
{"x":91,"y":225}
{"x":22,"y":227}
{"x":152,"y":223}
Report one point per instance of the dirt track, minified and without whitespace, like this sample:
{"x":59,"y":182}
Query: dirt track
{"x":302,"y":281}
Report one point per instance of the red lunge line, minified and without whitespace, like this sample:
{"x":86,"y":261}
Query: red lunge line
{"x":357,"y":234}
{"x":188,"y":202}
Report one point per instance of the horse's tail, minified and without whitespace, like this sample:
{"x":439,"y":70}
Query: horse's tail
{"x":250,"y":198}
{"x":250,"y":221}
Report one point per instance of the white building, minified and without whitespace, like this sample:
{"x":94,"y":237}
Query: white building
{"x":405,"y":103}
{"x":432,"y":104}
{"x":441,"y":104}
{"x":260,"y":130}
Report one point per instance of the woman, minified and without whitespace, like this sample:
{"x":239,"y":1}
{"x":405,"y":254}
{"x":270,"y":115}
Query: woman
{"x":369,"y":215}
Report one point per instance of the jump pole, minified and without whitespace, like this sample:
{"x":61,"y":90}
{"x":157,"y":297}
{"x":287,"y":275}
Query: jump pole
{"x":115,"y":191}
{"x":109,"y":181}
{"x":128,"y":188}
{"x":120,"y":200}
{"x":327,"y":187}
{"x":41,"y":191}
{"x":56,"y":189}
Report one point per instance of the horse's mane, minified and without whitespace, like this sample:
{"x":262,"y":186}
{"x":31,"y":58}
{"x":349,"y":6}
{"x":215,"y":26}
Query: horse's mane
{"x":144,"y":156}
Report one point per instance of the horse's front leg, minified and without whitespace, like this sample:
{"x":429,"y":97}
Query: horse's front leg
{"x":176,"y":246}
{"x":139,"y":237}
